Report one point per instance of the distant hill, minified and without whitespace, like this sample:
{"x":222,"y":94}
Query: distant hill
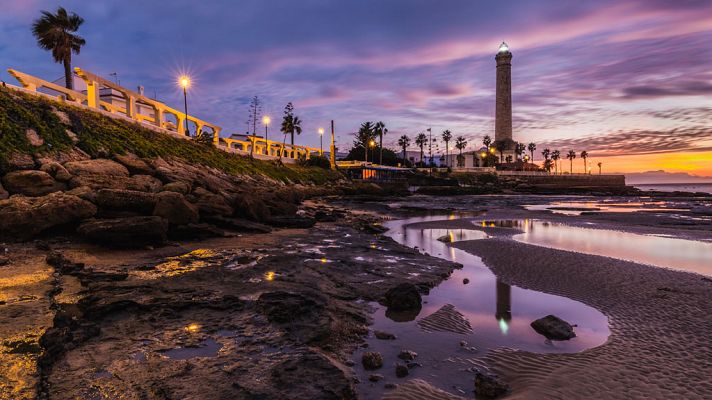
{"x":664,"y":177}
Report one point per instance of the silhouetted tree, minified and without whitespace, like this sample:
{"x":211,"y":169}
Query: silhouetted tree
{"x":421,"y":140}
{"x":404,"y":142}
{"x":460,"y":144}
{"x":571,"y":155}
{"x":555,"y":156}
{"x":380,"y":130}
{"x":290,"y":125}
{"x":531,"y":147}
{"x":56,"y":33}
{"x":584,"y":155}
{"x":447,"y":135}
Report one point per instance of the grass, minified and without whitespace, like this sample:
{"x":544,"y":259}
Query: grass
{"x":101,"y":135}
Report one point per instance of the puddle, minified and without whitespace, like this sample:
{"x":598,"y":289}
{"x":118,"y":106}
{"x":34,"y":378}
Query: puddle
{"x":578,"y":207}
{"x":498,"y":314}
{"x":656,"y":250}
{"x":206,"y":348}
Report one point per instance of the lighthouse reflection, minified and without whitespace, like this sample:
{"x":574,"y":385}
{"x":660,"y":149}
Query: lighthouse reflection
{"x":503,"y":312}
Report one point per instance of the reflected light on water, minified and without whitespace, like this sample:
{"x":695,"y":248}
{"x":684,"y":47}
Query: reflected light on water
{"x":192,"y":328}
{"x":503,"y":326}
{"x":269,"y":276}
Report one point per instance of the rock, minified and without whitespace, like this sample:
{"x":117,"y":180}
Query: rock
{"x":309,"y":376}
{"x":211,"y":204}
{"x":554,"y":328}
{"x":31,"y":183}
{"x":101,"y":167}
{"x":384,"y":335}
{"x":445,"y":239}
{"x":390,"y":385}
{"x":144,"y":183}
{"x":34,"y":139}
{"x":20,"y":161}
{"x":135,"y":165}
{"x":84,"y":192}
{"x":465,"y":281}
{"x":195,"y":231}
{"x":407,"y":355}
{"x":3,"y":193}
{"x":372,"y":360}
{"x":251,"y":207}
{"x":401,"y":371}
{"x":403,"y":297}
{"x":375,"y":377}
{"x":126,"y":200}
{"x":303,"y":315}
{"x":24,"y":217}
{"x":178,"y":187}
{"x":4,"y":260}
{"x":63,"y":117}
{"x":294,"y":222}
{"x":125,"y":232}
{"x":489,"y":386}
{"x":72,"y":136}
{"x":57,"y":171}
{"x":236,"y":224}
{"x":175,"y":209}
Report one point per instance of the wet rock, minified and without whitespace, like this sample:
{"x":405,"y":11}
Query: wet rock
{"x":403,"y":297}
{"x":237,"y":224}
{"x":211,"y":204}
{"x":126,"y":200}
{"x":310,"y":376}
{"x":465,"y":281}
{"x":489,"y":386}
{"x":125,"y":232}
{"x":195,"y":231}
{"x":175,"y":209}
{"x":24,"y":217}
{"x":295,"y":222}
{"x":407,"y":355}
{"x":375,"y":377}
{"x":384,"y":335}
{"x":402,"y":316}
{"x":445,"y":239}
{"x":303,"y":315}
{"x":56,"y":170}
{"x":372,"y":360}
{"x":554,"y":328}
{"x":31,"y":183}
{"x":390,"y":385}
{"x":252,"y":208}
{"x":401,"y":371}
{"x":178,"y":187}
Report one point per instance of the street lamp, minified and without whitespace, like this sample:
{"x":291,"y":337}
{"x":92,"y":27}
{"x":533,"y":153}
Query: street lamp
{"x":321,"y":140}
{"x":371,"y":144}
{"x":184,"y":83}
{"x":265,"y":121}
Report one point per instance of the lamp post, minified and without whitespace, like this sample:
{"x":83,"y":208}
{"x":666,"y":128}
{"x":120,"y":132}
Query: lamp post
{"x":321,"y":141}
{"x":266,"y":121}
{"x":371,"y":144}
{"x":184,"y":83}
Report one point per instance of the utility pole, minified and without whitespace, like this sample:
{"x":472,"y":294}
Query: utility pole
{"x":430,"y":149}
{"x":332,"y":149}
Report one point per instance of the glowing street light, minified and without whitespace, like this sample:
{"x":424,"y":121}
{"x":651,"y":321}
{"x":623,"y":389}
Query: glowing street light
{"x":321,"y":140}
{"x":184,"y":82}
{"x":266,"y":121}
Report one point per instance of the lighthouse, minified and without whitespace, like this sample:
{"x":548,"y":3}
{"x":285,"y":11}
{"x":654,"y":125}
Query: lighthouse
{"x":503,"y":109}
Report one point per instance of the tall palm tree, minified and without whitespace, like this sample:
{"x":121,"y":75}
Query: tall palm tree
{"x":600,"y":164}
{"x":531,"y":147}
{"x":487,"y":141}
{"x":501,"y":146}
{"x":421,"y":140}
{"x":460,"y":144}
{"x":404,"y":142}
{"x":547,"y":165}
{"x":56,"y":33}
{"x":545,"y":153}
{"x":290,"y":124}
{"x":447,"y":135}
{"x":380,"y":130}
{"x":571,"y":155}
{"x":519,"y":149}
{"x":555,"y":156}
{"x":584,"y":155}
{"x":366,"y":133}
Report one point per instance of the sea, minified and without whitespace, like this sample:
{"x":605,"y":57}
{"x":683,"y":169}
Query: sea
{"x":672,"y":187}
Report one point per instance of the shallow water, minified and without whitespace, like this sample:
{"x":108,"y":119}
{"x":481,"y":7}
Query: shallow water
{"x":206,"y":348}
{"x":499,"y":315}
{"x":610,"y":206}
{"x":661,"y":251}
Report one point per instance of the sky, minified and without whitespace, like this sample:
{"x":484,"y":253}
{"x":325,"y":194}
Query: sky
{"x":628,"y":81}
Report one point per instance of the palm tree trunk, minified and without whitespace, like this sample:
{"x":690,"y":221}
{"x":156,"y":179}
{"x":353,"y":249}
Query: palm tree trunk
{"x":404,"y":156}
{"x":292,"y":140}
{"x":68,"y":79}
{"x":380,"y":144}
{"x":571,"y":166}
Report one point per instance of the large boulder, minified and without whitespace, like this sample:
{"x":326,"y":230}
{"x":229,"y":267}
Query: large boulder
{"x":126,"y":200}
{"x":134,"y":164}
{"x":303,"y":315}
{"x":57,"y":171}
{"x":211,"y":204}
{"x":144,"y":183}
{"x":252,"y":207}
{"x":372,"y":360}
{"x":24,"y":217}
{"x":31,"y":183}
{"x":489,"y":386}
{"x":174,"y":208}
{"x":99,"y":173}
{"x":554,"y":328}
{"x":178,"y":187}
{"x":403,"y":297}
{"x":125,"y":232}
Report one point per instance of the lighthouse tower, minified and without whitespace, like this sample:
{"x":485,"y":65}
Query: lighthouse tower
{"x":503,"y":110}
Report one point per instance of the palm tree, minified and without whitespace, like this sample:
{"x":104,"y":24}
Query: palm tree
{"x":421,"y":140}
{"x":555,"y":156}
{"x":290,"y":124}
{"x":584,"y":155}
{"x":56,"y":33}
{"x":501,"y":146}
{"x":460,"y":144}
{"x":447,"y":135}
{"x":404,"y":142}
{"x":571,"y":155}
{"x":487,"y":141}
{"x":380,"y":130}
{"x":545,"y":153}
{"x":531,"y":147}
{"x":600,"y":164}
{"x":519,"y":149}
{"x":366,"y":133}
{"x":547,"y":165}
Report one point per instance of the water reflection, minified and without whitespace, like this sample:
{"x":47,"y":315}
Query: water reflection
{"x":577,"y":207}
{"x":685,"y":255}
